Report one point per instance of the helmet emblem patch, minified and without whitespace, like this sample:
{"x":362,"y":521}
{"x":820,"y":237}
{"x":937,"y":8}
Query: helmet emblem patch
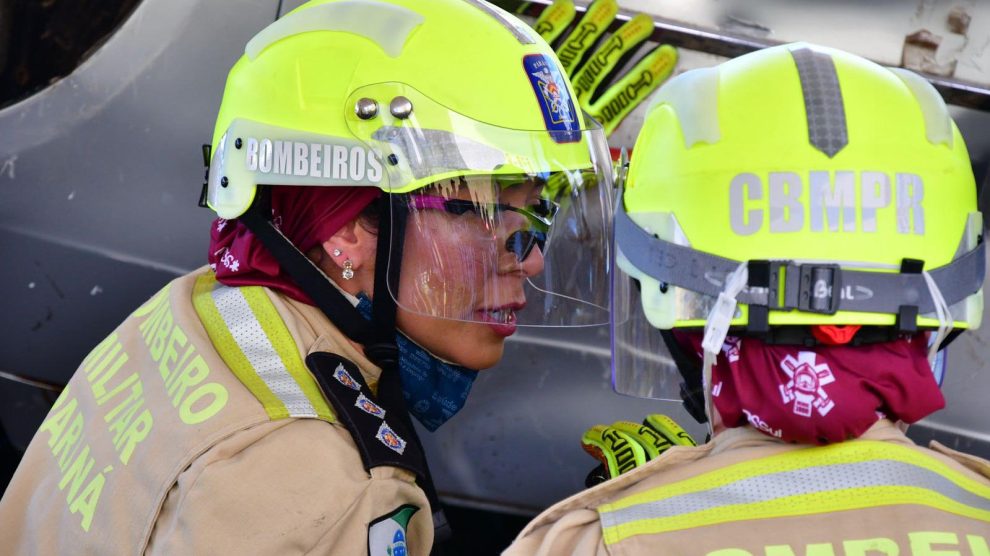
{"x":559,"y":113}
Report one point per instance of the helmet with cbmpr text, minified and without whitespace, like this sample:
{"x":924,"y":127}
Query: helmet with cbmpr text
{"x":793,"y":186}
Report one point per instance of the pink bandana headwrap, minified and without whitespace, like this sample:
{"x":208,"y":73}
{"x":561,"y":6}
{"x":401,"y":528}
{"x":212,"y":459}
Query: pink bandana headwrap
{"x":821,"y":394}
{"x":308,"y":216}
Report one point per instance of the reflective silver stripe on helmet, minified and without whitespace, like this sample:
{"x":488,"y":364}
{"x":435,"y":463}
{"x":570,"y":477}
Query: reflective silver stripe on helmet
{"x":822,"y":101}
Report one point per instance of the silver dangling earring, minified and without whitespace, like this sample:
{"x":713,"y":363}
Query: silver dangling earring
{"x":337,"y":252}
{"x":348,"y":272}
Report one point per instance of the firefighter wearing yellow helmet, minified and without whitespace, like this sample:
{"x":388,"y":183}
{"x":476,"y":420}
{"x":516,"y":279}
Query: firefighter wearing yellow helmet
{"x":798,"y":236}
{"x":393,"y":180}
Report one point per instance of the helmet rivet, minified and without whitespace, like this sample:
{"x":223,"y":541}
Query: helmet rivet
{"x":393,"y":160}
{"x":366,"y":108}
{"x":237,"y":142}
{"x":400,"y":107}
{"x":224,"y":181}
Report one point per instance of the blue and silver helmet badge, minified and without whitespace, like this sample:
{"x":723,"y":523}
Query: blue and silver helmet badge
{"x":555,"y":100}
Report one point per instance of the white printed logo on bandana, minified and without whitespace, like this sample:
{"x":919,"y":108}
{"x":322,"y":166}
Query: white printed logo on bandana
{"x":762,"y":425}
{"x":731,"y":348}
{"x":806,"y":387}
{"x":229,"y":261}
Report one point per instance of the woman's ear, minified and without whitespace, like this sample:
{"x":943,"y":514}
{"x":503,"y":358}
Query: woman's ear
{"x":353,"y":242}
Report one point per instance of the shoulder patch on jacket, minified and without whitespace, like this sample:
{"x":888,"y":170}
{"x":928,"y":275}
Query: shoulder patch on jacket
{"x":251,"y":337}
{"x":387,"y":534}
{"x":381,"y":436}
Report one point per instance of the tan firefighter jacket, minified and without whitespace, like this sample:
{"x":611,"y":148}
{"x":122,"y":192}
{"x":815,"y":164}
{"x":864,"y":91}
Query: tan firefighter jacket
{"x":746,"y":494}
{"x":196,"y":427}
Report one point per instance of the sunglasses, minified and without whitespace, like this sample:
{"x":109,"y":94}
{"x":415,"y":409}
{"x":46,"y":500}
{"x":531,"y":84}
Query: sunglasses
{"x":521,"y":242}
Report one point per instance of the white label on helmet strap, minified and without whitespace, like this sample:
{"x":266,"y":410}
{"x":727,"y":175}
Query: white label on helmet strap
{"x":717,"y":327}
{"x":352,"y":165}
{"x":829,"y":203}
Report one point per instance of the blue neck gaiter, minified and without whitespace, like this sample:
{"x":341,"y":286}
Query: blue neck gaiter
{"x":434,"y":390}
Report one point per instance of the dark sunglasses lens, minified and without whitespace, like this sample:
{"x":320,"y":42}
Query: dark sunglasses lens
{"x":521,"y":243}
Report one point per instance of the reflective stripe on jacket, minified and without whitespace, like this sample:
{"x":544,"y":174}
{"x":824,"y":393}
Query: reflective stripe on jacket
{"x":747,"y":494}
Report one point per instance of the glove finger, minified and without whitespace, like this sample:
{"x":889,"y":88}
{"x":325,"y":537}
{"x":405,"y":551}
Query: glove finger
{"x":578,"y":43}
{"x":669,"y":429}
{"x":652,"y":442}
{"x":633,"y":88}
{"x":554,"y":19}
{"x":616,"y":450}
{"x":607,"y":60}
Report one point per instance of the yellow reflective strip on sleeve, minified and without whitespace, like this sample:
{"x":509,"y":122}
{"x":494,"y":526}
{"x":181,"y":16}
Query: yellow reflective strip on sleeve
{"x":228,"y":349}
{"x":793,"y":506}
{"x":287,"y":350}
{"x":845,"y":452}
{"x":799,"y":482}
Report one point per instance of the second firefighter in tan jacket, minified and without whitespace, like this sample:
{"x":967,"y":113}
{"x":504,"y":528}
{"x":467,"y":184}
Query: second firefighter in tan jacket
{"x":797,"y":236}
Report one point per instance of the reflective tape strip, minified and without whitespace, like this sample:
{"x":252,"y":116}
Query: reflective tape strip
{"x":285,"y":346}
{"x":845,"y":478}
{"x":823,"y":102}
{"x":259,"y":351}
{"x":228,"y":349}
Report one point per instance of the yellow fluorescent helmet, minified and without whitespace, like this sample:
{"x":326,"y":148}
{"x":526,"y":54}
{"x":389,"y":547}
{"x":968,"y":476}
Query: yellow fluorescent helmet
{"x":395,"y":94}
{"x":831,"y":169}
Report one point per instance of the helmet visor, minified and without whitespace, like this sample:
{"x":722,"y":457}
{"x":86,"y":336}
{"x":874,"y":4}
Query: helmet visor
{"x":643,"y":364}
{"x":644,"y":312}
{"x":508,"y":227}
{"x":506,"y":249}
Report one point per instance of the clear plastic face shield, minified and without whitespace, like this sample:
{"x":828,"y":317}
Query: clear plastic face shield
{"x":642,"y":363}
{"x":503,"y":227}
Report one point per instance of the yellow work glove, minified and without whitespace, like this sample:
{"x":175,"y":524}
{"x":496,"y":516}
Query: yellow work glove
{"x":624,"y":445}
{"x":601,"y":92}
